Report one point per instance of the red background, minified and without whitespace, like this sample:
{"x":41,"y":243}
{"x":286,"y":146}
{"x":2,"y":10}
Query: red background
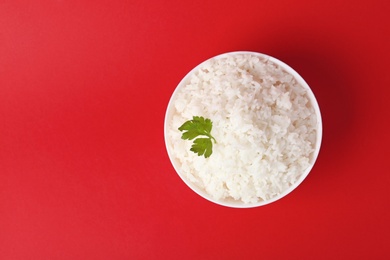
{"x":84,"y":173}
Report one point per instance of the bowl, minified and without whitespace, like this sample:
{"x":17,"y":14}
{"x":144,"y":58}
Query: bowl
{"x":273,"y":177}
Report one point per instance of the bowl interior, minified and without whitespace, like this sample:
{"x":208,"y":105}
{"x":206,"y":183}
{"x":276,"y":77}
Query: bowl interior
{"x":231,"y":202}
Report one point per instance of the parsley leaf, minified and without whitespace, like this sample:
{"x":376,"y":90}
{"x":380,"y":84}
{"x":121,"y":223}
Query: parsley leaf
{"x":199,"y":126}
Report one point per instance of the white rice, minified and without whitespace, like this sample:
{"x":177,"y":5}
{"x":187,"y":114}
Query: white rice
{"x":263,"y":121}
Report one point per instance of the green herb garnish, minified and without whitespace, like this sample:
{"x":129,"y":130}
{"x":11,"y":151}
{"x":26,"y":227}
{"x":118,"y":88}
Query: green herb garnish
{"x":199,"y":126}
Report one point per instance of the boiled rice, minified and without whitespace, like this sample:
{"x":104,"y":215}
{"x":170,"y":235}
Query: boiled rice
{"x":263,"y":121}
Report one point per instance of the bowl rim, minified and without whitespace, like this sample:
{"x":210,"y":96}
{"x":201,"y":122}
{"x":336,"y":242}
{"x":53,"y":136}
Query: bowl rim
{"x":233,"y":203}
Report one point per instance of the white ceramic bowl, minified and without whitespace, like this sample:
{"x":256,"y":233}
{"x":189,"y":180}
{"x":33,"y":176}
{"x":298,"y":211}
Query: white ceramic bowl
{"x":231,"y":202}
